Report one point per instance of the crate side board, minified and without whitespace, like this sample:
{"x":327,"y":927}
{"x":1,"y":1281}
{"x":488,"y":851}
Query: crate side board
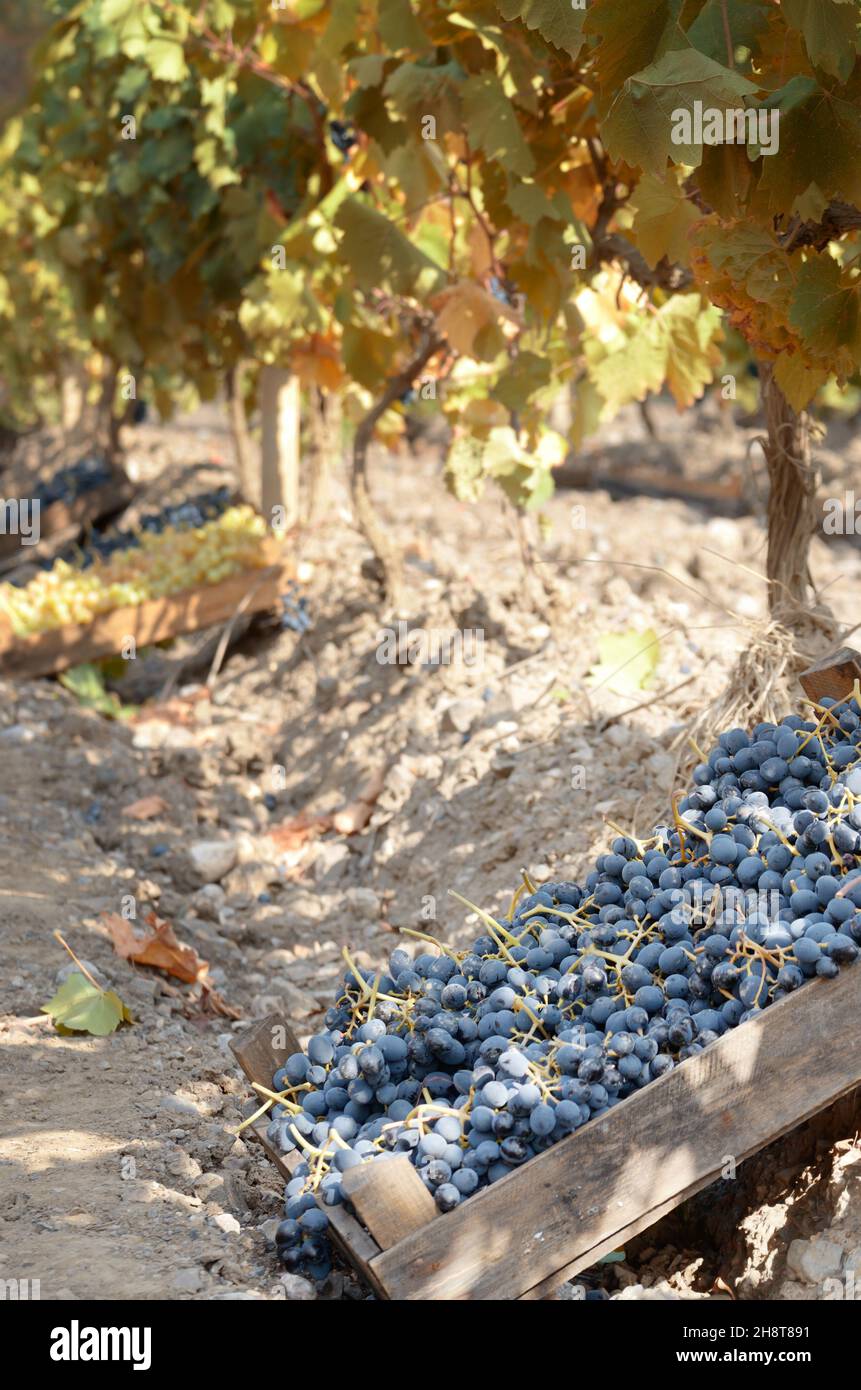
{"x":834,"y":675}
{"x":626,"y":1169}
{"x":650,"y":1218}
{"x":260,"y":1052}
{"x":148,"y":622}
{"x":390,"y":1199}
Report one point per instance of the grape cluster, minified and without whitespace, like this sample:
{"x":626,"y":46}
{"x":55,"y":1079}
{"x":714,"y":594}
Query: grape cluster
{"x":70,"y":483}
{"x":295,"y":613}
{"x":472,"y":1062}
{"x":343,"y":136}
{"x":178,"y":516}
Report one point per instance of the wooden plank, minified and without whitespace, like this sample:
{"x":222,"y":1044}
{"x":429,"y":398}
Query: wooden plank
{"x":264,"y":1048}
{"x":82,"y":511}
{"x":835,"y":675}
{"x":390,"y":1199}
{"x":260,"y":1052}
{"x":590,"y":1192}
{"x":651,"y":1217}
{"x":148,"y":623}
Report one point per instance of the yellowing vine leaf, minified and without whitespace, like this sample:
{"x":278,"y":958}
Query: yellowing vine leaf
{"x":798,"y":381}
{"x":464,"y":310}
{"x":493,"y":125}
{"x":663,"y":217}
{"x":676,"y":345}
{"x":80,"y":1006}
{"x":378,"y":252}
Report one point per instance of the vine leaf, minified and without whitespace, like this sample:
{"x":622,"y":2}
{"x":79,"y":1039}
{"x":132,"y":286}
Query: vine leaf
{"x":830,"y":29}
{"x":640,"y":123}
{"x":826,"y":310}
{"x":378,"y":252}
{"x":627,"y":661}
{"x":558,"y":23}
{"x":80,"y":1006}
{"x":493,"y":125}
{"x":663,"y":220}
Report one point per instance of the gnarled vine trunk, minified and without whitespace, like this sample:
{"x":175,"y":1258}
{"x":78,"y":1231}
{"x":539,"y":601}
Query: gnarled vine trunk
{"x":793,"y":512}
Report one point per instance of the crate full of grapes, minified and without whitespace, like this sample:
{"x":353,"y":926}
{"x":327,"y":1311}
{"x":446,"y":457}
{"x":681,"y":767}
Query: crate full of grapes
{"x":486,"y":1123}
{"x":188,"y":567}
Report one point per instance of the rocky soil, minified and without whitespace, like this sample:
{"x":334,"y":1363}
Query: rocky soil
{"x":120,"y":1166}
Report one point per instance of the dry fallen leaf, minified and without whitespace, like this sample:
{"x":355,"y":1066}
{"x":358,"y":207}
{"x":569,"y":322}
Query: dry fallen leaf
{"x":158,"y":948}
{"x":297,"y":832}
{"x":145,"y":808}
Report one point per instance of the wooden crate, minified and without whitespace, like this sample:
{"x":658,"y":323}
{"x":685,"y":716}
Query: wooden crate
{"x":589,"y":1194}
{"x":835,"y":675}
{"x":249,"y":591}
{"x":68,"y":518}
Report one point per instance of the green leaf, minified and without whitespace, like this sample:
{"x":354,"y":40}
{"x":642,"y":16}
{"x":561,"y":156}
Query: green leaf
{"x":629,"y":372}
{"x":115,"y":11}
{"x":830,"y":29}
{"x":588,"y":408}
{"x":419,"y":170}
{"x":165,"y":59}
{"x":627,"y":661}
{"x":632,"y":35}
{"x":643,"y":125}
{"x":528,"y":201}
{"x":379,"y":253}
{"x":527,"y":374}
{"x":493,"y":125}
{"x":414,"y":90}
{"x":746,"y":20}
{"x":556,"y":21}
{"x":464,"y":468}
{"x":79,"y":1006}
{"x":341,"y":29}
{"x":133,"y":82}
{"x":400,"y":29}
{"x":524,"y":475}
{"x":825,"y":308}
{"x":87,"y":683}
{"x":820,"y":142}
